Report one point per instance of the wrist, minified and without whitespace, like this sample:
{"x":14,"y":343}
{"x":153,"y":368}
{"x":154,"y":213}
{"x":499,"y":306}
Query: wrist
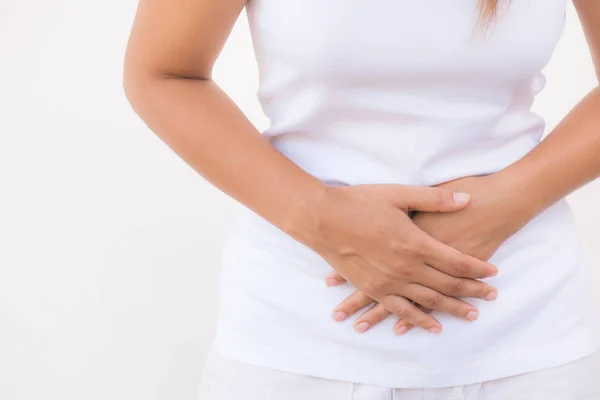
{"x":301,"y":217}
{"x":514,"y":199}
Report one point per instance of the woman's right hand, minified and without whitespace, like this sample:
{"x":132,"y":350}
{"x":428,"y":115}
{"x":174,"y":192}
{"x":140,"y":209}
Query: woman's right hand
{"x":365,"y":233}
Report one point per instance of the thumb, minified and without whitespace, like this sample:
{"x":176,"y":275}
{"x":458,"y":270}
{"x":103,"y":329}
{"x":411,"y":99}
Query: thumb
{"x":431,"y":199}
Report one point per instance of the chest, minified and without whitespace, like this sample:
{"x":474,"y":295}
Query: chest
{"x":406,"y":41}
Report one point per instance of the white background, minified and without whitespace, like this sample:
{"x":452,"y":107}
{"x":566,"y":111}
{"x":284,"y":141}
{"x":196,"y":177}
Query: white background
{"x":109,"y":244}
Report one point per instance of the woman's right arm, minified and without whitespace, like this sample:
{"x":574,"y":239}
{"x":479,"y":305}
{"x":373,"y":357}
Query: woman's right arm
{"x":362,"y":231}
{"x":167,"y":79}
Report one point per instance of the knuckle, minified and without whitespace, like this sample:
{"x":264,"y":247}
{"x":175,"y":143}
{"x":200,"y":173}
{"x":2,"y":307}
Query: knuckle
{"x":422,"y":320}
{"x":459,"y":268}
{"x":349,"y":306}
{"x":378,"y":315}
{"x":419,"y":247}
{"x":439,"y":197}
{"x":405,"y":246}
{"x":375,"y":287}
{"x":434,"y":301}
{"x":412,"y":246}
{"x":418,"y":319}
{"x":401,"y":309}
{"x":404,"y":272}
{"x":371,"y":288}
{"x":476,"y":289}
{"x":454,"y":287}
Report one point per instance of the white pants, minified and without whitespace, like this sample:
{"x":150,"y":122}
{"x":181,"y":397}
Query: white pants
{"x":226,"y":379}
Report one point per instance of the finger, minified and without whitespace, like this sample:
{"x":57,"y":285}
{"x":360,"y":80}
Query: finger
{"x":437,"y":301}
{"x":432,"y":199}
{"x":402,"y":326}
{"x":351,"y":305}
{"x":455,"y":287}
{"x":409,"y":312}
{"x":334,"y":279}
{"x":371,"y":317}
{"x":451,"y":261}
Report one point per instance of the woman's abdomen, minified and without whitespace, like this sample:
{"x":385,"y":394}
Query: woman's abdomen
{"x":275,"y":311}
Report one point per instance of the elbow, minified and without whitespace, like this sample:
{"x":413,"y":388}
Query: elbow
{"x":127,"y":82}
{"x":135,"y":81}
{"x":138,"y":80}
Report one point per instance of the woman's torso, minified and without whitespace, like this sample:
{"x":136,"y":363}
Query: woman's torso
{"x":403,"y":92}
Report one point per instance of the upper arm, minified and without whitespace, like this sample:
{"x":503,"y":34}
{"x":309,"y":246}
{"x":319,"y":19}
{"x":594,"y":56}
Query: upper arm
{"x":589,"y":14}
{"x":180,"y":38}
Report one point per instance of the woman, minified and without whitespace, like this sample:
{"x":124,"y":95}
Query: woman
{"x":403,"y":158}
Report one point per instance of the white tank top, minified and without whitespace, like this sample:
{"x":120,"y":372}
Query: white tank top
{"x":403,"y":91}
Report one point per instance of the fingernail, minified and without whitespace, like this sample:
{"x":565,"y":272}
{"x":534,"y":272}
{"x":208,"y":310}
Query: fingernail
{"x":461,"y":197}
{"x":472,"y":315}
{"x":332,"y":282}
{"x":402,"y":330}
{"x":492,"y":296}
{"x":339,"y":316}
{"x":331,"y":275}
{"x":435,"y":330}
{"x":363,"y":326}
{"x":495,"y":273}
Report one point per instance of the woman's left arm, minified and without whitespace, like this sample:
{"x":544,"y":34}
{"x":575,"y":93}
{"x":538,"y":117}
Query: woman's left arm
{"x":569,"y":156}
{"x":504,"y":202}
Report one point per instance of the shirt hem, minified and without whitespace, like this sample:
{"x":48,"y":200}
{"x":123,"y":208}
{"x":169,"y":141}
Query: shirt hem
{"x":393,"y":375}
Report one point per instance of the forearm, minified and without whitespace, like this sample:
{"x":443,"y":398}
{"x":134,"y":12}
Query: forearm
{"x":566,"y":159}
{"x":198,"y":121}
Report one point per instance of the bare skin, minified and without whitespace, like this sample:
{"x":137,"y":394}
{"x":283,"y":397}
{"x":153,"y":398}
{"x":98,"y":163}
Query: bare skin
{"x":567,"y":159}
{"x":478,"y":230}
{"x":168,"y":81}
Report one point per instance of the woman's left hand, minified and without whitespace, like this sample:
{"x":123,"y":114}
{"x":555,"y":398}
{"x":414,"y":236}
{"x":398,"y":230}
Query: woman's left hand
{"x":491,"y":217}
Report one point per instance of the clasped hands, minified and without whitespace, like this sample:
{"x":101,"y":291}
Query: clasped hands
{"x":406,"y":266}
